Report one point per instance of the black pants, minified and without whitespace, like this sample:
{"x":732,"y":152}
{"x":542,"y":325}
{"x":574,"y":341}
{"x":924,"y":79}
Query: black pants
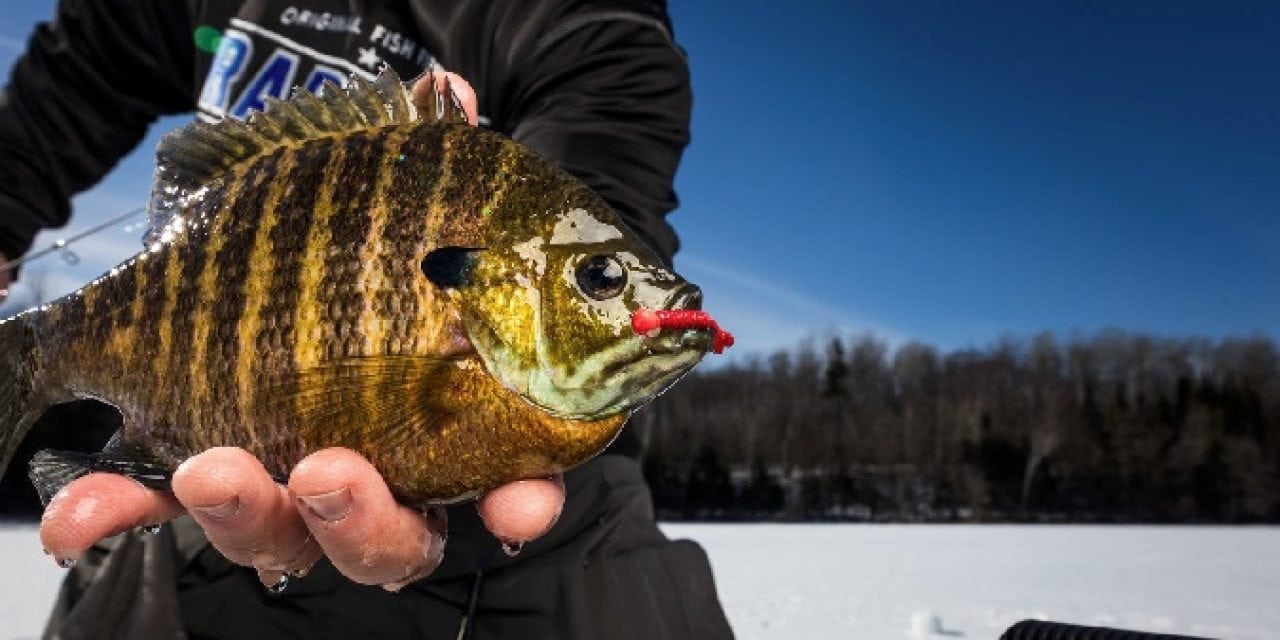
{"x":604,"y":571}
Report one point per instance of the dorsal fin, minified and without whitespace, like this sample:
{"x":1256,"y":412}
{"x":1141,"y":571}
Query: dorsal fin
{"x":192,"y":157}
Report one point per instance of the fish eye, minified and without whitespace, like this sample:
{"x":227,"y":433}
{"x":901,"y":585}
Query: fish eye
{"x":601,"y":277}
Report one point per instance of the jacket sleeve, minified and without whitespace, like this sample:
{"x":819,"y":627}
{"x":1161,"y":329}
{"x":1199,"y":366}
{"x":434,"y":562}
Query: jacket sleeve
{"x":80,"y":98}
{"x":607,"y":96}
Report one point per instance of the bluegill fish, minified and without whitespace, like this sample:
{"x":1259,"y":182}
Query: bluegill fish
{"x":354,"y":269}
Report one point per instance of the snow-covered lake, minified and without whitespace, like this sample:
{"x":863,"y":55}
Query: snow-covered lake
{"x":870,"y":581}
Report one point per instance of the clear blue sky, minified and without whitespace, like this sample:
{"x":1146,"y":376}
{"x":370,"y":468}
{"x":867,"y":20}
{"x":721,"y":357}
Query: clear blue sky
{"x":952,"y":172}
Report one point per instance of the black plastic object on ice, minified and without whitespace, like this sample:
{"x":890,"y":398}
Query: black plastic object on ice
{"x":1039,"y":630}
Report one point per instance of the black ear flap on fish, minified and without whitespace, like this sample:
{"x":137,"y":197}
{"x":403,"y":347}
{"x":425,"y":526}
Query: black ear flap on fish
{"x":450,"y":267}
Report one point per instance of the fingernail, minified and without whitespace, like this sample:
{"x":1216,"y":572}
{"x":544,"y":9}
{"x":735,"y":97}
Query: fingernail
{"x":220,"y":511}
{"x":66,"y":562}
{"x":332,"y":506}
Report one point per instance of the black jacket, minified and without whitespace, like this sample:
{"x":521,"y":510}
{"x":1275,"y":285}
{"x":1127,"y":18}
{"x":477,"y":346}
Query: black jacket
{"x":597,"y":86}
{"x":604,"y":571}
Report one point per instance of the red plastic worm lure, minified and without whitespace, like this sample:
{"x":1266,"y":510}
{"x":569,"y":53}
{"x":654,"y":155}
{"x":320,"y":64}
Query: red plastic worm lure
{"x":649,"y":322}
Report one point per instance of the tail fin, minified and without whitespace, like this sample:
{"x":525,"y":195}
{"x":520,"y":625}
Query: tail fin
{"x":20,"y":403}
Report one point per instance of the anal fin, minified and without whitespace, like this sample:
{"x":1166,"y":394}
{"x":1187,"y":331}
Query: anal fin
{"x":52,"y":470}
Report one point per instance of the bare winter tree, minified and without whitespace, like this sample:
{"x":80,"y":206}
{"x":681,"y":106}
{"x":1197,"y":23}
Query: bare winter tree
{"x":1107,"y":427}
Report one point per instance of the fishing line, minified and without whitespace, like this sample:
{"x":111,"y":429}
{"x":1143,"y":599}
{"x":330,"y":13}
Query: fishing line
{"x":61,"y":244}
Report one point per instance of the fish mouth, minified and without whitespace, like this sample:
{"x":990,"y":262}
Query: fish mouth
{"x":698,"y":339}
{"x":681,"y":324}
{"x":658,"y":367}
{"x":663,"y":344}
{"x":646,"y":365}
{"x":637,"y":370}
{"x":687,"y":345}
{"x":687,"y":296}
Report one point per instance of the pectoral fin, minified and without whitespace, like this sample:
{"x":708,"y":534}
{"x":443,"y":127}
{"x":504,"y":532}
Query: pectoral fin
{"x":374,"y":401}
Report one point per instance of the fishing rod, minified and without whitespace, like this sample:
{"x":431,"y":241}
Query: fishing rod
{"x":61,"y":244}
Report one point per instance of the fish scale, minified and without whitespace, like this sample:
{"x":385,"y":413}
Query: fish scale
{"x":355,"y":270}
{"x":184,"y":328}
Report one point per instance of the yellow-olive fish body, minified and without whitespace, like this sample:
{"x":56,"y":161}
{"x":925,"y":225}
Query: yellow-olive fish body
{"x":358,"y":270}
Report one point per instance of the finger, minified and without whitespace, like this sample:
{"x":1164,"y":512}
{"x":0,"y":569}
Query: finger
{"x":246,"y":515}
{"x":445,"y":80}
{"x":518,"y":512}
{"x":367,"y":535}
{"x":97,"y":506}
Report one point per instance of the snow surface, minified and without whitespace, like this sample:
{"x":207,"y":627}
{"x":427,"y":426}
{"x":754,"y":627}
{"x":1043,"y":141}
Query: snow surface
{"x":873,"y":582}
{"x":869,"y":581}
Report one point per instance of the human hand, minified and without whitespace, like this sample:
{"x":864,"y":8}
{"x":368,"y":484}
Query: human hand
{"x":335,"y":505}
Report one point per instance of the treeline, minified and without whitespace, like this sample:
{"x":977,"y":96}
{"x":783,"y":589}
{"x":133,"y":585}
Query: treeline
{"x":1111,"y":428}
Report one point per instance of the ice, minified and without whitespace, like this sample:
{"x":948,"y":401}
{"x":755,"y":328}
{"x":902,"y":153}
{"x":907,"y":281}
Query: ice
{"x":27,"y":584}
{"x":925,"y":624}
{"x":890,"y":582}
{"x":869,"y":581}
